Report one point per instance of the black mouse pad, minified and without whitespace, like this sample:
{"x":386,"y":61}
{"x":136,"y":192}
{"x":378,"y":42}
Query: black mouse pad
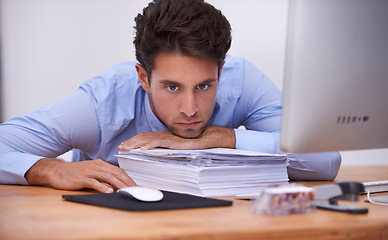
{"x":170,"y":201}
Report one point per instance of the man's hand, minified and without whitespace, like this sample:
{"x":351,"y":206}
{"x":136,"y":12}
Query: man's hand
{"x":212,"y":137}
{"x":96,"y":174}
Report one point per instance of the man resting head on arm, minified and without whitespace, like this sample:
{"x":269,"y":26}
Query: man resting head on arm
{"x":183,"y":93}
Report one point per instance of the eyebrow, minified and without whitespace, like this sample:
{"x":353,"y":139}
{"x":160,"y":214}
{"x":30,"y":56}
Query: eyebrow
{"x":171,"y":82}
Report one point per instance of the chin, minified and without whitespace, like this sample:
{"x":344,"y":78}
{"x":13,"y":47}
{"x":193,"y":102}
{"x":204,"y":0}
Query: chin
{"x":188,"y":133}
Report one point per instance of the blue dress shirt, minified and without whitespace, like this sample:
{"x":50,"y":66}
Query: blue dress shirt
{"x":112,"y":107}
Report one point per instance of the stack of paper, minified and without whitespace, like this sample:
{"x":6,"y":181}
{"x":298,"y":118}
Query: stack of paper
{"x":210,"y":172}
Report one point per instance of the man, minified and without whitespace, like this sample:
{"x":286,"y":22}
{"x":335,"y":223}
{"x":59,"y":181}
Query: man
{"x":184,"y":93}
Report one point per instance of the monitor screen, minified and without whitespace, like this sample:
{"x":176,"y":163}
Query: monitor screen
{"x":336,"y":76}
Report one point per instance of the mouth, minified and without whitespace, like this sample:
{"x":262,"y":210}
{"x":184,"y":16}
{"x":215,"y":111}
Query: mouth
{"x":189,"y":125}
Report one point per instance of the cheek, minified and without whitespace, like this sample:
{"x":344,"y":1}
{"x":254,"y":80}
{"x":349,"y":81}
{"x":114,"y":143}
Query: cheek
{"x":165,"y":100}
{"x":207,"y":103}
{"x":163,"y":104}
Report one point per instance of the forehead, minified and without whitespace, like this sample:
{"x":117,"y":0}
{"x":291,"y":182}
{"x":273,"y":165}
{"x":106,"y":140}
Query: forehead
{"x":183,"y":69}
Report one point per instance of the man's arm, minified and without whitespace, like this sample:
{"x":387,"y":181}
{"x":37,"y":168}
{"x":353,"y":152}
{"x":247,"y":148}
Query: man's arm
{"x":95,"y":174}
{"x":308,"y":166}
{"x":30,"y":144}
{"x":263,"y":120}
{"x":212,"y":137}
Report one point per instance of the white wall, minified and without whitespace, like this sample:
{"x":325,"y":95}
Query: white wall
{"x":49,"y":47}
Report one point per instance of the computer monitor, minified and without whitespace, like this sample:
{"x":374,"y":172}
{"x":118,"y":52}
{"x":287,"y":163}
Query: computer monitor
{"x":336,"y":76}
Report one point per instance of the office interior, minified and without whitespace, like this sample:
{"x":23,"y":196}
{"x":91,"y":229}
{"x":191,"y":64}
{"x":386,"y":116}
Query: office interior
{"x":48,"y":48}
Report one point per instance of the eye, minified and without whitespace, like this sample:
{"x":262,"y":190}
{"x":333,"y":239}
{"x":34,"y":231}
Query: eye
{"x":172,"y":88}
{"x":203,"y":86}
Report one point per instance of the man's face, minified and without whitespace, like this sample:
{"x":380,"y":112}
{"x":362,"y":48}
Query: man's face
{"x":182,"y":92}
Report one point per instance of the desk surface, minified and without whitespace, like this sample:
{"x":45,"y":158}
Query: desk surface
{"x":28,"y":212}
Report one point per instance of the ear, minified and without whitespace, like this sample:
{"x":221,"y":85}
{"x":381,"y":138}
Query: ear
{"x":143,"y":77}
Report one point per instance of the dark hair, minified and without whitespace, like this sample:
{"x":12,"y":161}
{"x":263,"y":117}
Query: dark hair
{"x":189,"y":27}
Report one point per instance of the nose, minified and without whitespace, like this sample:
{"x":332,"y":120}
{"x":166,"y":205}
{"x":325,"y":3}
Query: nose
{"x":189,"y":105}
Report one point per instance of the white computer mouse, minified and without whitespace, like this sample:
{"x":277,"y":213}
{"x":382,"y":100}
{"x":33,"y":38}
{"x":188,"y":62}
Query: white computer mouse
{"x":142,"y":193}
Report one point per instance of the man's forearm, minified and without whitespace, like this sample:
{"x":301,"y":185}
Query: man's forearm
{"x":96,"y":174}
{"x":41,"y":172}
{"x":214,"y":137}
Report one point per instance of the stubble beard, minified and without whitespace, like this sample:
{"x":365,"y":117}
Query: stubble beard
{"x":187,"y":133}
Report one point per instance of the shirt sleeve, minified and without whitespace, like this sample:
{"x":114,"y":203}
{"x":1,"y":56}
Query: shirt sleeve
{"x":68,"y":123}
{"x":261,"y":104}
{"x":259,"y":111}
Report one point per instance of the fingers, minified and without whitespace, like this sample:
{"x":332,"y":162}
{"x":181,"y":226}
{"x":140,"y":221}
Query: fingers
{"x":96,"y":174}
{"x":97,"y":185}
{"x":145,"y":140}
{"x":104,"y":172}
{"x":149,"y":140}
